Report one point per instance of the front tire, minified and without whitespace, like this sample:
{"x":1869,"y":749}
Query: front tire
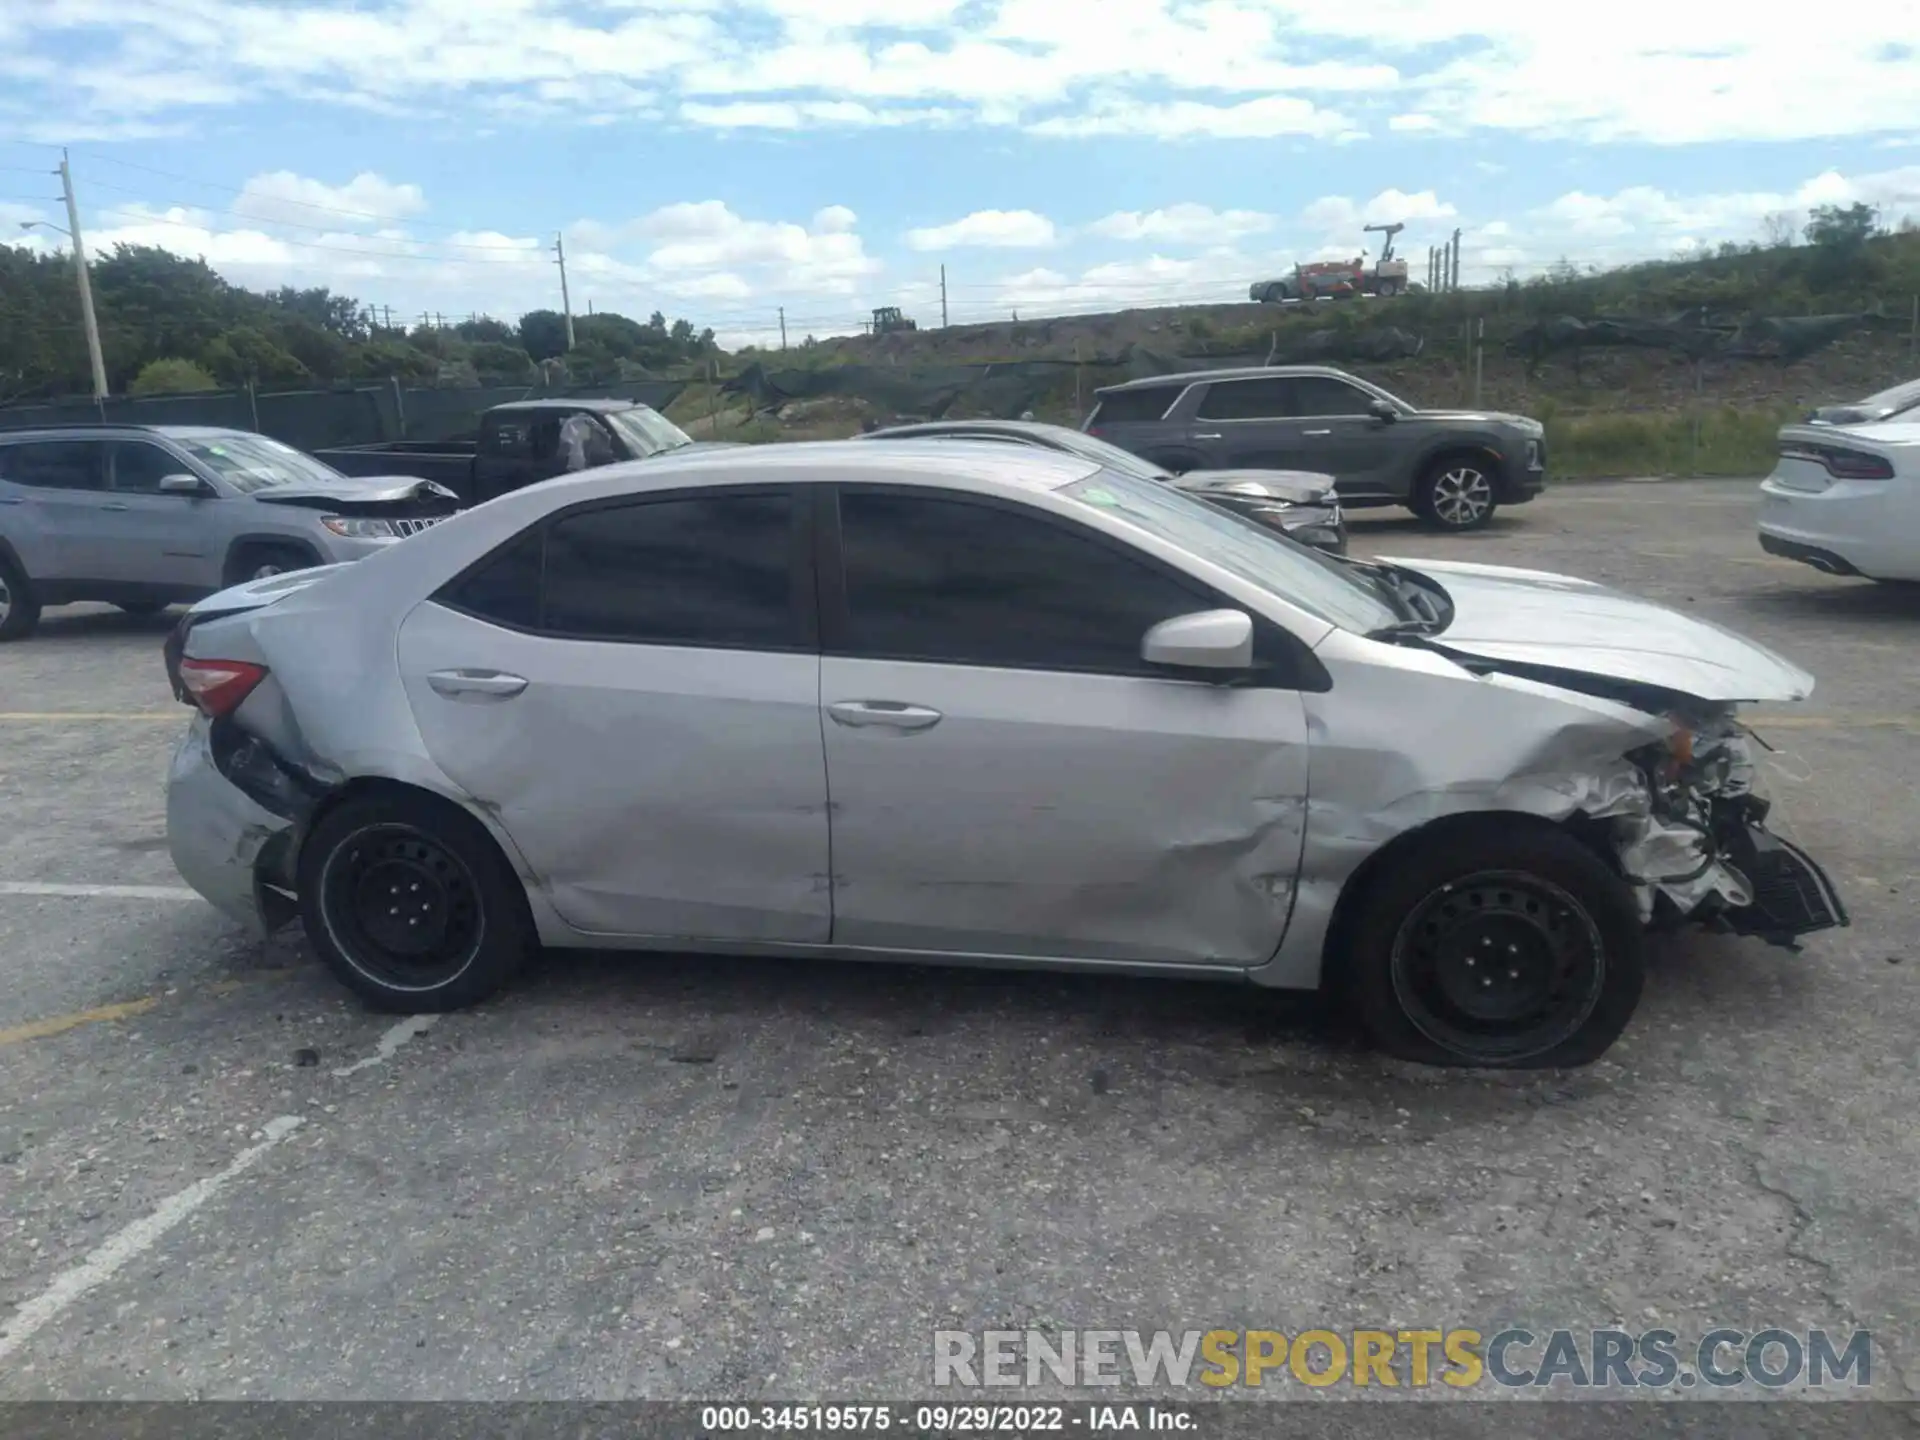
{"x":260,"y":562}
{"x":411,"y":904}
{"x":1499,"y":943}
{"x":19,"y":606}
{"x":1457,"y":495}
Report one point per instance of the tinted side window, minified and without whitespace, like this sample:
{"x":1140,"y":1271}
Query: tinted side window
{"x":504,"y":588}
{"x":968,"y":584}
{"x":1127,"y":405}
{"x":137,"y":467}
{"x":1248,"y":400}
{"x":1324,"y":395}
{"x":56,"y":464}
{"x":701,"y":570}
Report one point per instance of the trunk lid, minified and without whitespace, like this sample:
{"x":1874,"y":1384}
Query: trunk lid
{"x":1541,"y":620}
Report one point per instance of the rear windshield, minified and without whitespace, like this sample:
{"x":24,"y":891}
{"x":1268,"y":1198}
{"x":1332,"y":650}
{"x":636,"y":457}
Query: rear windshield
{"x":1124,"y":405}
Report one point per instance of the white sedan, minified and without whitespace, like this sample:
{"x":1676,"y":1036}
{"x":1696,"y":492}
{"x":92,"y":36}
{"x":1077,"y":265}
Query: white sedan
{"x":1845,"y":499}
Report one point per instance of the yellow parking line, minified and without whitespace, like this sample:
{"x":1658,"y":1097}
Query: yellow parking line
{"x":48,"y":717}
{"x":60,"y":1024}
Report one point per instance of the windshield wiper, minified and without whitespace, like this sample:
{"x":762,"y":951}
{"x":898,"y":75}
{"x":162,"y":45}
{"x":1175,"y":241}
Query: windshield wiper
{"x":1402,"y":629}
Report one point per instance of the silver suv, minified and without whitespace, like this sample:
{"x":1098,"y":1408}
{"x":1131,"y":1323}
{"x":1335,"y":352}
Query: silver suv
{"x":143,"y":516}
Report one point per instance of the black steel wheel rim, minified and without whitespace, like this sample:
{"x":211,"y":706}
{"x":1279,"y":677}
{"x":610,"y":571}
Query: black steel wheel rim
{"x":1498,"y":966}
{"x":403,"y":909}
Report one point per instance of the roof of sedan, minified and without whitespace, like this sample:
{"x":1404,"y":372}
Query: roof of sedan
{"x":1018,"y":466}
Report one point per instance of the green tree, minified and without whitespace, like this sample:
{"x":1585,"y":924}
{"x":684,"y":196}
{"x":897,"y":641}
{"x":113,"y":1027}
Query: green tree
{"x":1842,"y":227}
{"x":507,"y":362}
{"x":543,"y":334}
{"x":341,"y":314}
{"x":245,"y":353}
{"x":379,"y":359}
{"x":171,"y":376}
{"x":486,"y":330}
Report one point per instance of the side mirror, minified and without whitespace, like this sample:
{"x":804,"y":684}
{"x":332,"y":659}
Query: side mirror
{"x":1205,"y":640}
{"x":182,"y":485}
{"x":1381,"y":410}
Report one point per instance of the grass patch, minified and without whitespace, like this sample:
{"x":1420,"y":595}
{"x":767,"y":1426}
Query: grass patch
{"x":1722,"y":441}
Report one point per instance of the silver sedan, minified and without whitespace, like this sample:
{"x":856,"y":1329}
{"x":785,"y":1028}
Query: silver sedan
{"x":985,"y":705}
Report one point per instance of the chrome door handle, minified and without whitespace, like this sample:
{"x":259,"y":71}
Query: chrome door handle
{"x":477,"y":682}
{"x":116,"y":505}
{"x":1214,"y":436}
{"x":13,"y":499}
{"x":1316,"y":432}
{"x":888,"y":714}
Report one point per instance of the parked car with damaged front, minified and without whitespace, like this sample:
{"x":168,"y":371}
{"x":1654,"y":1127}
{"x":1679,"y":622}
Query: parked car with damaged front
{"x":1068,"y":718}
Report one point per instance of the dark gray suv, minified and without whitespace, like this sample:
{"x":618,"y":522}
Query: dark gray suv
{"x":1452,"y":468}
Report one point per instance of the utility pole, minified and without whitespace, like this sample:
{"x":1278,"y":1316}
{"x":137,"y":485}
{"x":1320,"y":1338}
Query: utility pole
{"x":566,"y":305}
{"x":783,"y":327}
{"x":1454,"y":283}
{"x":943,"y":297}
{"x":86,"y":286}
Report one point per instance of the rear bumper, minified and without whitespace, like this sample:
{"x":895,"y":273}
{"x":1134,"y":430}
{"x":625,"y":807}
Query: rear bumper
{"x":223,"y":842}
{"x":1851,"y":527}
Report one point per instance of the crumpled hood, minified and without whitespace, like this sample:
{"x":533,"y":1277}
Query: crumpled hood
{"x":359,"y":490}
{"x":1532,"y":617}
{"x":1295,"y":487}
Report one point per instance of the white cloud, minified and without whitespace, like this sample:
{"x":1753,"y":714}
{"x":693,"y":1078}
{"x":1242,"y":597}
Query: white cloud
{"x":365,"y":200}
{"x":1265,"y":118}
{"x":1185,"y":224}
{"x":1338,"y":214}
{"x":1653,"y":72}
{"x":1007,"y":229}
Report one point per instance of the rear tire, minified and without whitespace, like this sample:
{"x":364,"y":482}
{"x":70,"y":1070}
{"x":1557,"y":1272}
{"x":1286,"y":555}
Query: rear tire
{"x":19,"y":606}
{"x":411,"y":904}
{"x":1457,"y":494}
{"x":1502,"y":942}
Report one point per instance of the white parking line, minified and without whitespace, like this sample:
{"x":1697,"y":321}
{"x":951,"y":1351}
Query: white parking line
{"x":98,"y":892}
{"x":125,"y":1245}
{"x":390,"y":1042}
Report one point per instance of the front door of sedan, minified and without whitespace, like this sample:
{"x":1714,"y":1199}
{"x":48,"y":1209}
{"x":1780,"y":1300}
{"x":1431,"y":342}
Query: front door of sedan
{"x":1008,"y":777}
{"x":633,"y":689}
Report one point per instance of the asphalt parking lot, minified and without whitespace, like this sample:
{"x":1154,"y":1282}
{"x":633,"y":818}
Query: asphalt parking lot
{"x":716,"y":1178}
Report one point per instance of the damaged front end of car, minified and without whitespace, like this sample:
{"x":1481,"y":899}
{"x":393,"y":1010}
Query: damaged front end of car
{"x":1699,"y":850}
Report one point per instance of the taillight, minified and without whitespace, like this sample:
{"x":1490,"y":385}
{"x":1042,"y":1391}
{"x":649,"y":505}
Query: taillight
{"x":1840,"y":462}
{"x":218,"y":686}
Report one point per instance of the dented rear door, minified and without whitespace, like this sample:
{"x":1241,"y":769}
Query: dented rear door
{"x":633,"y":690}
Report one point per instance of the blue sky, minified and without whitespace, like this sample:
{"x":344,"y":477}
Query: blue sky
{"x":724,"y":158}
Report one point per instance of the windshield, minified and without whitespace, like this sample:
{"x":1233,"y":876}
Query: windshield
{"x":646,"y":431}
{"x":1317,"y":583}
{"x":253,"y":462}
